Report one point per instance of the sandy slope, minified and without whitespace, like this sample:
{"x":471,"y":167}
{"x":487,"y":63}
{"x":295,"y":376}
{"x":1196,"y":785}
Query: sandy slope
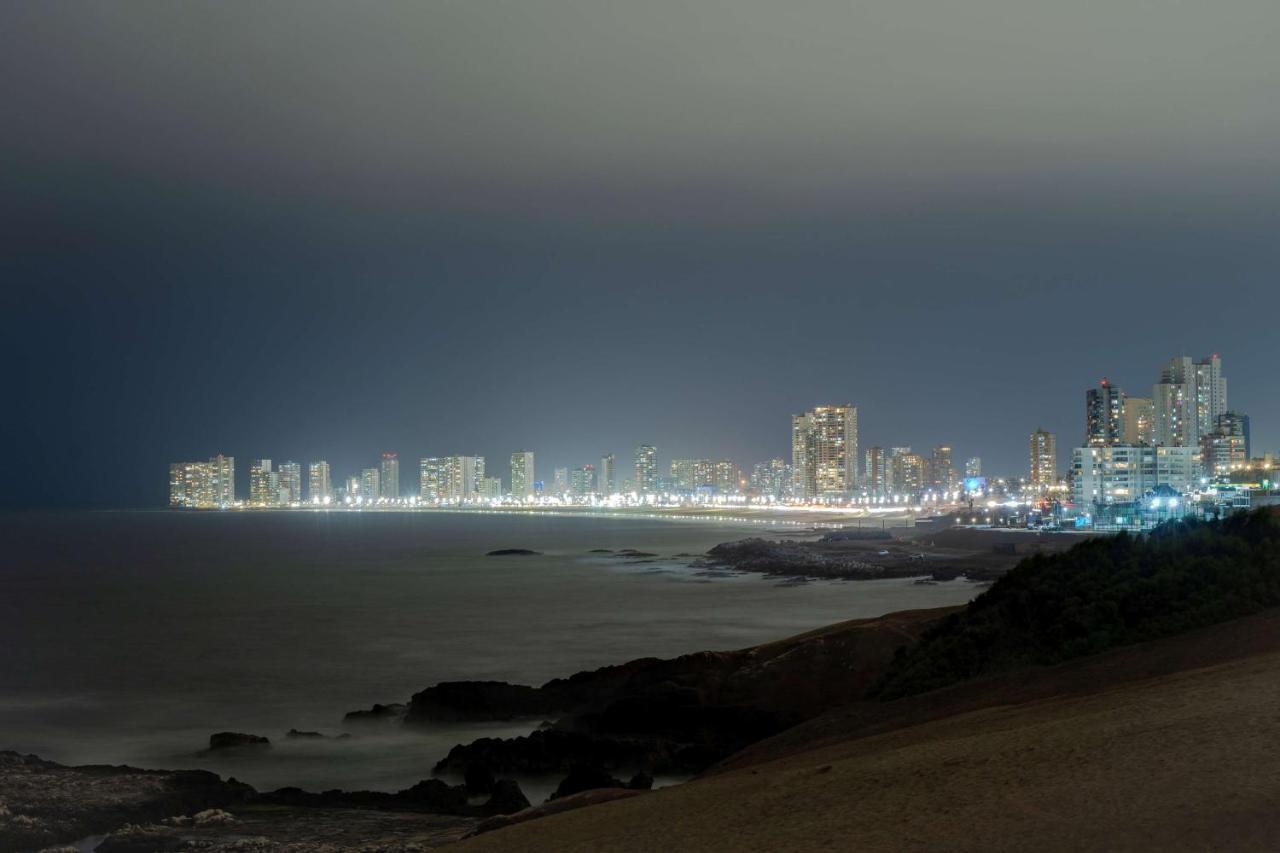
{"x":1172,"y":745}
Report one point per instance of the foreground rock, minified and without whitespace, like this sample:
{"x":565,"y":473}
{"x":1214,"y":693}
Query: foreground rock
{"x":43,"y":803}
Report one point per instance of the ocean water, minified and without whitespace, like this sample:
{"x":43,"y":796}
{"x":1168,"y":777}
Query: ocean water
{"x":130,"y":637}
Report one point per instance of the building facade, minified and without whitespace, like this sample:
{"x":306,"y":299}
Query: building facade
{"x":1124,"y":473}
{"x":608,"y":475}
{"x":389,"y":477}
{"x":1104,"y":415}
{"x":1044,"y":460}
{"x":646,"y":459}
{"x":522,"y":475}
{"x":824,"y":453}
{"x":203,"y":485}
{"x":319,"y":485}
{"x":289,"y":483}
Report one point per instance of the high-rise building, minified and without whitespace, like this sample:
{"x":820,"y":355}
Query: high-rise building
{"x":389,"y":477}
{"x":942,"y":474}
{"x":522,"y":475}
{"x":1188,"y":400}
{"x":908,"y":472}
{"x":1210,"y":394}
{"x":824,"y":452}
{"x":582,"y":481}
{"x":1139,"y":421}
{"x":1104,"y":415}
{"x":491,"y":488}
{"x":560,"y":482}
{"x":973,"y":467}
{"x":433,"y":478}
{"x":263,"y":486}
{"x":728,"y":477}
{"x":875,"y":472}
{"x":772,"y":478}
{"x":370,"y":484}
{"x":691,"y":474}
{"x":608,"y":475}
{"x":1044,"y":459}
{"x":646,"y":458}
{"x":1226,"y":448}
{"x":1229,"y":423}
{"x":289,"y":483}
{"x":203,"y":485}
{"x":319,"y":487}
{"x":453,"y":479}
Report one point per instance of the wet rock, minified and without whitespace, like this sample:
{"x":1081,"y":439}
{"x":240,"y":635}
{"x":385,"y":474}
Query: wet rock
{"x":584,"y":778}
{"x":478,"y":779}
{"x":379,"y":713}
{"x":482,"y":701}
{"x":236,"y":740}
{"x":513,"y":552}
{"x":140,"y":839}
{"x":507,"y":798}
{"x":641,"y":782}
{"x":294,"y":734}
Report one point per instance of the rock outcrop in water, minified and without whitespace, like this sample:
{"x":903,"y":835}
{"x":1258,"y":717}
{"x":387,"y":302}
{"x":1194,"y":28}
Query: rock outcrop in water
{"x":513,"y":552}
{"x":378,"y":713}
{"x":226,"y":741}
{"x":480,"y":701}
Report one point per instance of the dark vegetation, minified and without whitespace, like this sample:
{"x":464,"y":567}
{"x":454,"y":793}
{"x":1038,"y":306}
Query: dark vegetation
{"x":1101,"y":593}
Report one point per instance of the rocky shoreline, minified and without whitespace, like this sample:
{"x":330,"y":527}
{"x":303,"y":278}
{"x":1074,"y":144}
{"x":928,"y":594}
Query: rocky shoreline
{"x":609,"y":729}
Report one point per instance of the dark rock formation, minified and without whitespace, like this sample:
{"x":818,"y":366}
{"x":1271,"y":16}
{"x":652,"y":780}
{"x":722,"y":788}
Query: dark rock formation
{"x":513,"y":552}
{"x":479,"y":779}
{"x":295,"y":734}
{"x":641,"y":782}
{"x":236,"y":740}
{"x":377,"y":714}
{"x":506,"y":798}
{"x":429,"y":795}
{"x":140,"y":839}
{"x":584,"y":777}
{"x":46,"y":804}
{"x":452,"y":701}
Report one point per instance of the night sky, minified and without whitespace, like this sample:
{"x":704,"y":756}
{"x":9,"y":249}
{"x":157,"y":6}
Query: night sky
{"x":324,"y":230}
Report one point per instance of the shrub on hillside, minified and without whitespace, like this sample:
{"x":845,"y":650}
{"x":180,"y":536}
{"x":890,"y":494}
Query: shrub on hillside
{"x":1101,"y":593}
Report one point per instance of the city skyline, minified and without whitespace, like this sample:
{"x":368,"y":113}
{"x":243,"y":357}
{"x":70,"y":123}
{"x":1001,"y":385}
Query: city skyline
{"x":1186,"y":423}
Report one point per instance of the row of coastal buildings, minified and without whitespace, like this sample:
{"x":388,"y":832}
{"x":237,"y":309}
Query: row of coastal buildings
{"x":1147,"y":458}
{"x":1179,"y":440}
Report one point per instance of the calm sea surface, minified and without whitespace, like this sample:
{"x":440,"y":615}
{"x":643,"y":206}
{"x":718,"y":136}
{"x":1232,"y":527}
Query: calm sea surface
{"x":131,"y":637}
